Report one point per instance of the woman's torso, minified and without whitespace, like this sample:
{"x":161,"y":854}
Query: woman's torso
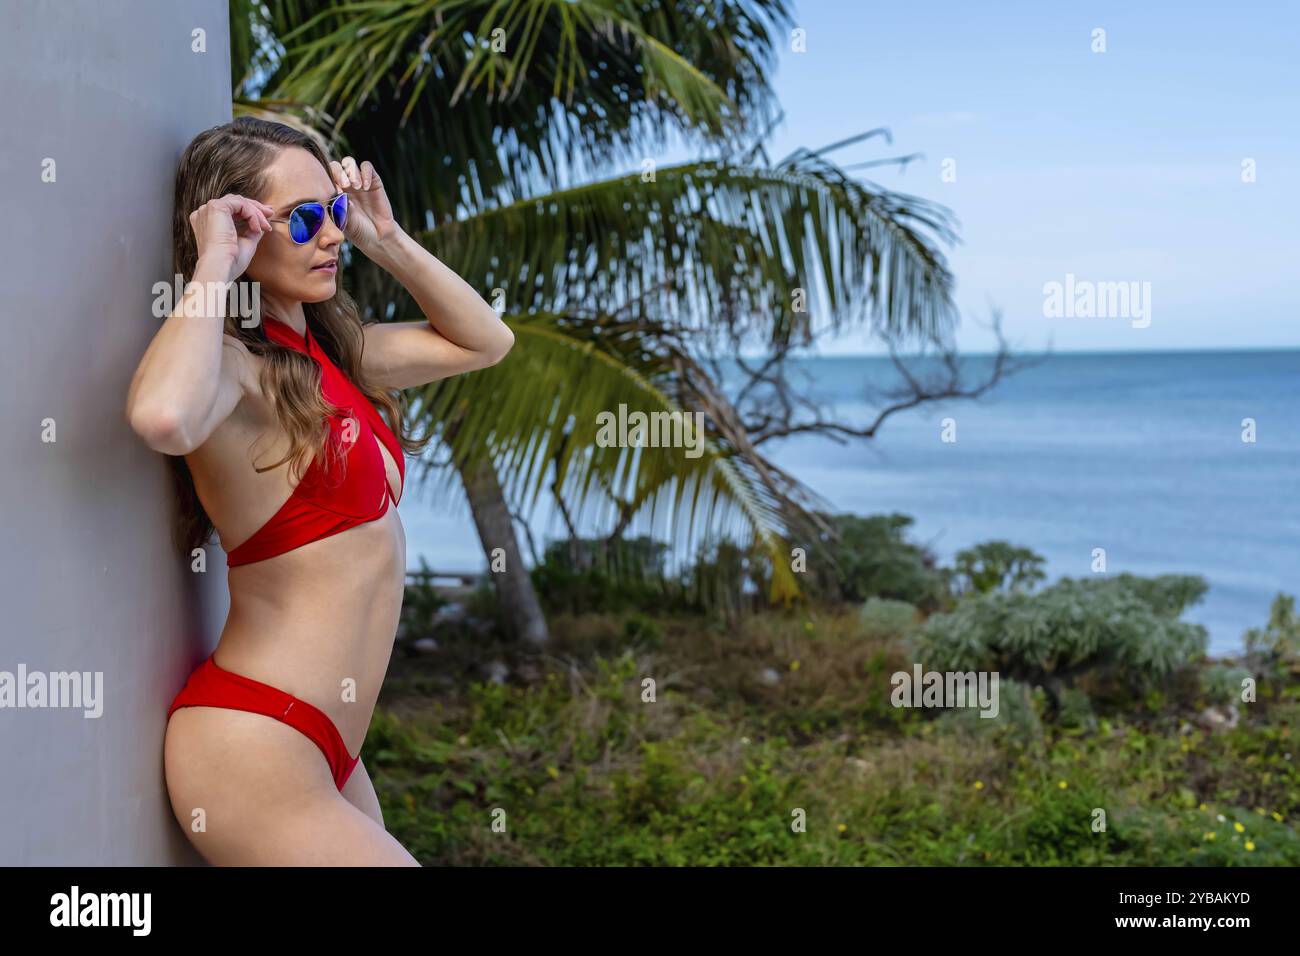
{"x":317,"y":621}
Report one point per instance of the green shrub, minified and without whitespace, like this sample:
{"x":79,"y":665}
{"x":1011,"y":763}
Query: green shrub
{"x":1124,"y":629}
{"x":1282,"y":633}
{"x":1275,"y":648}
{"x":1019,"y":720}
{"x":867,"y":557}
{"x":996,"y":566}
{"x":643,"y":630}
{"x":726,"y":578}
{"x":1221,"y":683}
{"x":593,"y":574}
{"x":1231,"y":836}
{"x":1076,"y":709}
{"x":884,"y":618}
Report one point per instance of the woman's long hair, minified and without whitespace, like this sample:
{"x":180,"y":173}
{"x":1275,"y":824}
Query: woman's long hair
{"x":233,"y":158}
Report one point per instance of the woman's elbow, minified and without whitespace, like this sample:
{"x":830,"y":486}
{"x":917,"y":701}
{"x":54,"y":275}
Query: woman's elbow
{"x":160,"y":429}
{"x":507,"y":343}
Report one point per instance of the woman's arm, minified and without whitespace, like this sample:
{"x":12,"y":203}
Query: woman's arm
{"x":193,"y":375}
{"x":462,"y":332}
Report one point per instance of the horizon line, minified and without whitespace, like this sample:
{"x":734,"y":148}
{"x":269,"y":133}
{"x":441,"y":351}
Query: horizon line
{"x":1048,"y":354}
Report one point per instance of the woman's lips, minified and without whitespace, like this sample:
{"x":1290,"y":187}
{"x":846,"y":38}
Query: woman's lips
{"x":330,"y":267}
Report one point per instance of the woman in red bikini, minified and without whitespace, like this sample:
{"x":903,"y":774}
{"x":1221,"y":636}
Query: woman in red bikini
{"x":278,"y":440}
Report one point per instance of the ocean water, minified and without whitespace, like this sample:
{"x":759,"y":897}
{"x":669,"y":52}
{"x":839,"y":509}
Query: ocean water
{"x":1140,"y":454}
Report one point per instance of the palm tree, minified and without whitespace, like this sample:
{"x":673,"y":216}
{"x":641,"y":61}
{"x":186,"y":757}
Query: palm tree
{"x":468,"y":108}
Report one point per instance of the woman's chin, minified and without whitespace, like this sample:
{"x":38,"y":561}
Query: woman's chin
{"x":323,"y":286}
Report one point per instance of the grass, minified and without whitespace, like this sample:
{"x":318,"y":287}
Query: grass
{"x":775,"y":743}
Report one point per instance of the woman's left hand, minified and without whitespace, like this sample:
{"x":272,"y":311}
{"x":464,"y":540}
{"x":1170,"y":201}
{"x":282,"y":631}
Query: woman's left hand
{"x":370,"y":219}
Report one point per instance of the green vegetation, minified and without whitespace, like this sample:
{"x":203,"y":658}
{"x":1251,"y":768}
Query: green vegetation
{"x":1275,"y":648}
{"x":784,"y":717}
{"x":871,"y":557}
{"x":996,"y":565}
{"x":1123,"y":630}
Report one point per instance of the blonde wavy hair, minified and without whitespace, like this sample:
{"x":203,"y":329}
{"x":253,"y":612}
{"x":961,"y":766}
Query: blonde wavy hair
{"x":233,"y":158}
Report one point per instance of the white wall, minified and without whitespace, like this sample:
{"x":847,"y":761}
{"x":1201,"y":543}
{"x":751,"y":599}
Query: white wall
{"x":89,"y":581}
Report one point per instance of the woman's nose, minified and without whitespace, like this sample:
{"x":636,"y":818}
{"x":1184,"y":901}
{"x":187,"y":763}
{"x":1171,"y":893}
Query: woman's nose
{"x":330,"y":234}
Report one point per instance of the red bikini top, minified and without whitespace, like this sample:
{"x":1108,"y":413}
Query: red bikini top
{"x":351,"y":489}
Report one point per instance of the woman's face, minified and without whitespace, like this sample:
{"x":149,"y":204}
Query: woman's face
{"x":289,"y":272}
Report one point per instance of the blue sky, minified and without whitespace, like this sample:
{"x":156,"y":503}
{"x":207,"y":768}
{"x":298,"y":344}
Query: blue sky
{"x":1117,"y":166}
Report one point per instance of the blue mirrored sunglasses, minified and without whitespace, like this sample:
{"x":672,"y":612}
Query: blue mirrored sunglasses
{"x":305,"y":220}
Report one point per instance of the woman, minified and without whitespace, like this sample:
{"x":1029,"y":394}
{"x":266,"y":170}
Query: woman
{"x":286,"y":455}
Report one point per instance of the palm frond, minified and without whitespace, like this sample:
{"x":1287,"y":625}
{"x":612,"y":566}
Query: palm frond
{"x":586,"y":82}
{"x":717,"y":246}
{"x":343,"y":52}
{"x":538,"y":410}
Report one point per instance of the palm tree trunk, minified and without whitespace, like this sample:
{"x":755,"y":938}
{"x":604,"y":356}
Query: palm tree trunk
{"x":519,"y":603}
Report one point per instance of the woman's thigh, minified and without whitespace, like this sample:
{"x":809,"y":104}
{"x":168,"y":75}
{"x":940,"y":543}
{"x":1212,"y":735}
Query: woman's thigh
{"x":251,"y":791}
{"x":360,"y":792}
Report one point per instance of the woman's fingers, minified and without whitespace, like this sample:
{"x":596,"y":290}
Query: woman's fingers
{"x":348,"y":175}
{"x":249,"y":210}
{"x":258,"y":212}
{"x":338,"y":175}
{"x":353,"y":174}
{"x":345,"y":173}
{"x":369,"y":178}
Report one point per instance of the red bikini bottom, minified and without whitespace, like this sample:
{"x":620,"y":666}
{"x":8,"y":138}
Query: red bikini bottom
{"x":213,"y":686}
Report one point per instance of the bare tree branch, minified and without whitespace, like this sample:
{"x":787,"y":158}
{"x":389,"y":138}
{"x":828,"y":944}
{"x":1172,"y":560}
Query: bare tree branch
{"x":918,"y":388}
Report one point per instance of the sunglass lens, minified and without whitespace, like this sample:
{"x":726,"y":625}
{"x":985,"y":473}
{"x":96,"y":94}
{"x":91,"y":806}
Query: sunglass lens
{"x":306,"y":221}
{"x":340,"y":210}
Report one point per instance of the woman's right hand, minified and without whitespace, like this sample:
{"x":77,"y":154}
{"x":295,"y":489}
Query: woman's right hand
{"x":229,"y":228}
